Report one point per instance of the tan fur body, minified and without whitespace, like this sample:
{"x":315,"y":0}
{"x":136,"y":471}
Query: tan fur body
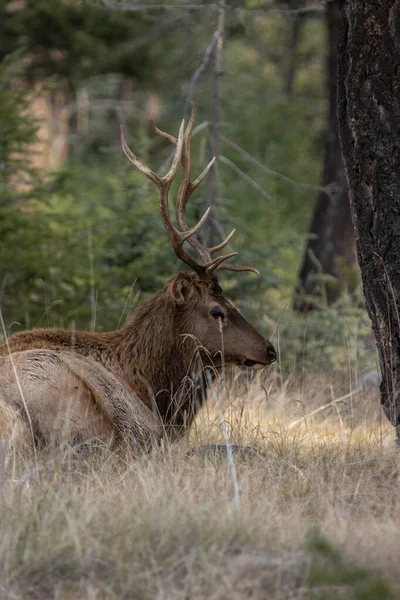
{"x":69,"y":399}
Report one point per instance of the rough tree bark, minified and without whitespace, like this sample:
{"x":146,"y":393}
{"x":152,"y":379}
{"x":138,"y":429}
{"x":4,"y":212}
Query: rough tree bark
{"x":369,"y":119}
{"x":330,"y":249}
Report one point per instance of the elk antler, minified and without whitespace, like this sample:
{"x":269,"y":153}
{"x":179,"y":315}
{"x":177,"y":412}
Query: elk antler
{"x":208,"y":265}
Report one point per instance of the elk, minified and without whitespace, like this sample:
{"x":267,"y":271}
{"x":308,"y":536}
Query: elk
{"x":147,"y":379}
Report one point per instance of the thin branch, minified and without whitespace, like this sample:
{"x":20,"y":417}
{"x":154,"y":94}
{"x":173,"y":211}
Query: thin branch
{"x":321,"y":408}
{"x":327,"y":189}
{"x":206,"y":59}
{"x":131,"y":7}
{"x":315,"y":9}
{"x":244,"y":176}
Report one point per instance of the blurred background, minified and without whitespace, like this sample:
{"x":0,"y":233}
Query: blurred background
{"x":81,"y":240}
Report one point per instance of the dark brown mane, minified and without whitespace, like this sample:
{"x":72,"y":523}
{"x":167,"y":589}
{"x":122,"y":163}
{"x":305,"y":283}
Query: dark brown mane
{"x":156,"y":364}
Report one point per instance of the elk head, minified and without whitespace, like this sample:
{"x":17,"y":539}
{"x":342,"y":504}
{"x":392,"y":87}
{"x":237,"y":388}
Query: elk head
{"x":200,"y":310}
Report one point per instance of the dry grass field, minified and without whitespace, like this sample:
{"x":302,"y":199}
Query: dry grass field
{"x":311,"y":509}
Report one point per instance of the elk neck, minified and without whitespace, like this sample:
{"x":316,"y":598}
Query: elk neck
{"x":159,"y":362}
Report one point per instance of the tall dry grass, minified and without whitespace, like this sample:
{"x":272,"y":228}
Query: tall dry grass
{"x":311,"y":508}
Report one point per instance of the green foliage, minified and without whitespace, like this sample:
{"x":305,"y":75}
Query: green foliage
{"x":331,"y":578}
{"x":73,"y":40}
{"x":79,"y":260}
{"x":19,"y":229}
{"x":17,"y":131}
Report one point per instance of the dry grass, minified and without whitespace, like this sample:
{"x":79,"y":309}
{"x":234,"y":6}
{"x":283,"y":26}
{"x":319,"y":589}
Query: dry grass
{"x":317,"y":516}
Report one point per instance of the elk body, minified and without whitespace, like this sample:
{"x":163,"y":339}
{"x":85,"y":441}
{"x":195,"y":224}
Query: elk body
{"x":149,"y":378}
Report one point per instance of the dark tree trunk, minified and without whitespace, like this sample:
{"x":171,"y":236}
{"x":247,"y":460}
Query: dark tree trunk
{"x":369,"y":118}
{"x":329,"y":257}
{"x":296,"y":22}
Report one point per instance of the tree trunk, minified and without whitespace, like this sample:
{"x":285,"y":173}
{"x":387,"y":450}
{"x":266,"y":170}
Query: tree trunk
{"x":296,"y":22}
{"x":206,"y":235}
{"x":369,"y":118}
{"x":329,"y":263}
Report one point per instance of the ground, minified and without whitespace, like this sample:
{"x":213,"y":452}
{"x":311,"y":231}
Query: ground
{"x":312,"y":511}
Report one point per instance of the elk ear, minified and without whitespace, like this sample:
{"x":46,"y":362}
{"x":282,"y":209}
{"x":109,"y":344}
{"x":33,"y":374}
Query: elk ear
{"x":182,"y":288}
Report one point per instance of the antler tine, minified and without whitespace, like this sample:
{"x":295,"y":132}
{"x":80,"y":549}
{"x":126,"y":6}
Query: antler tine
{"x":218,"y":261}
{"x":188,"y":233}
{"x":167,"y":136}
{"x":223,"y":244}
{"x":177,"y":156}
{"x":178,"y":142}
{"x":218,"y":266}
{"x":137,"y":162}
{"x":237,"y":268}
{"x":200,"y":178}
{"x":185,"y":188}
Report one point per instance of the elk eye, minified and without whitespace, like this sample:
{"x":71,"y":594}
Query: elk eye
{"x":217,"y":313}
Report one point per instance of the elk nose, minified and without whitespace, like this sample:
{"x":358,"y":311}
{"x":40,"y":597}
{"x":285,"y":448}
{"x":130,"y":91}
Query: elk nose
{"x":271,"y":354}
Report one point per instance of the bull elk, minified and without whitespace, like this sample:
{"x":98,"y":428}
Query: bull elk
{"x":148,"y":378}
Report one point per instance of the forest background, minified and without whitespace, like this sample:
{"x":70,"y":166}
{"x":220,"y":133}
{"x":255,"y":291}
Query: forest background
{"x":312,"y":510}
{"x":81,"y":240}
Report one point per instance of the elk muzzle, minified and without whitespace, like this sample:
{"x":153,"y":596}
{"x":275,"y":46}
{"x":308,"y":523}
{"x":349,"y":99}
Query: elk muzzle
{"x":266,"y":357}
{"x":244,"y":345}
